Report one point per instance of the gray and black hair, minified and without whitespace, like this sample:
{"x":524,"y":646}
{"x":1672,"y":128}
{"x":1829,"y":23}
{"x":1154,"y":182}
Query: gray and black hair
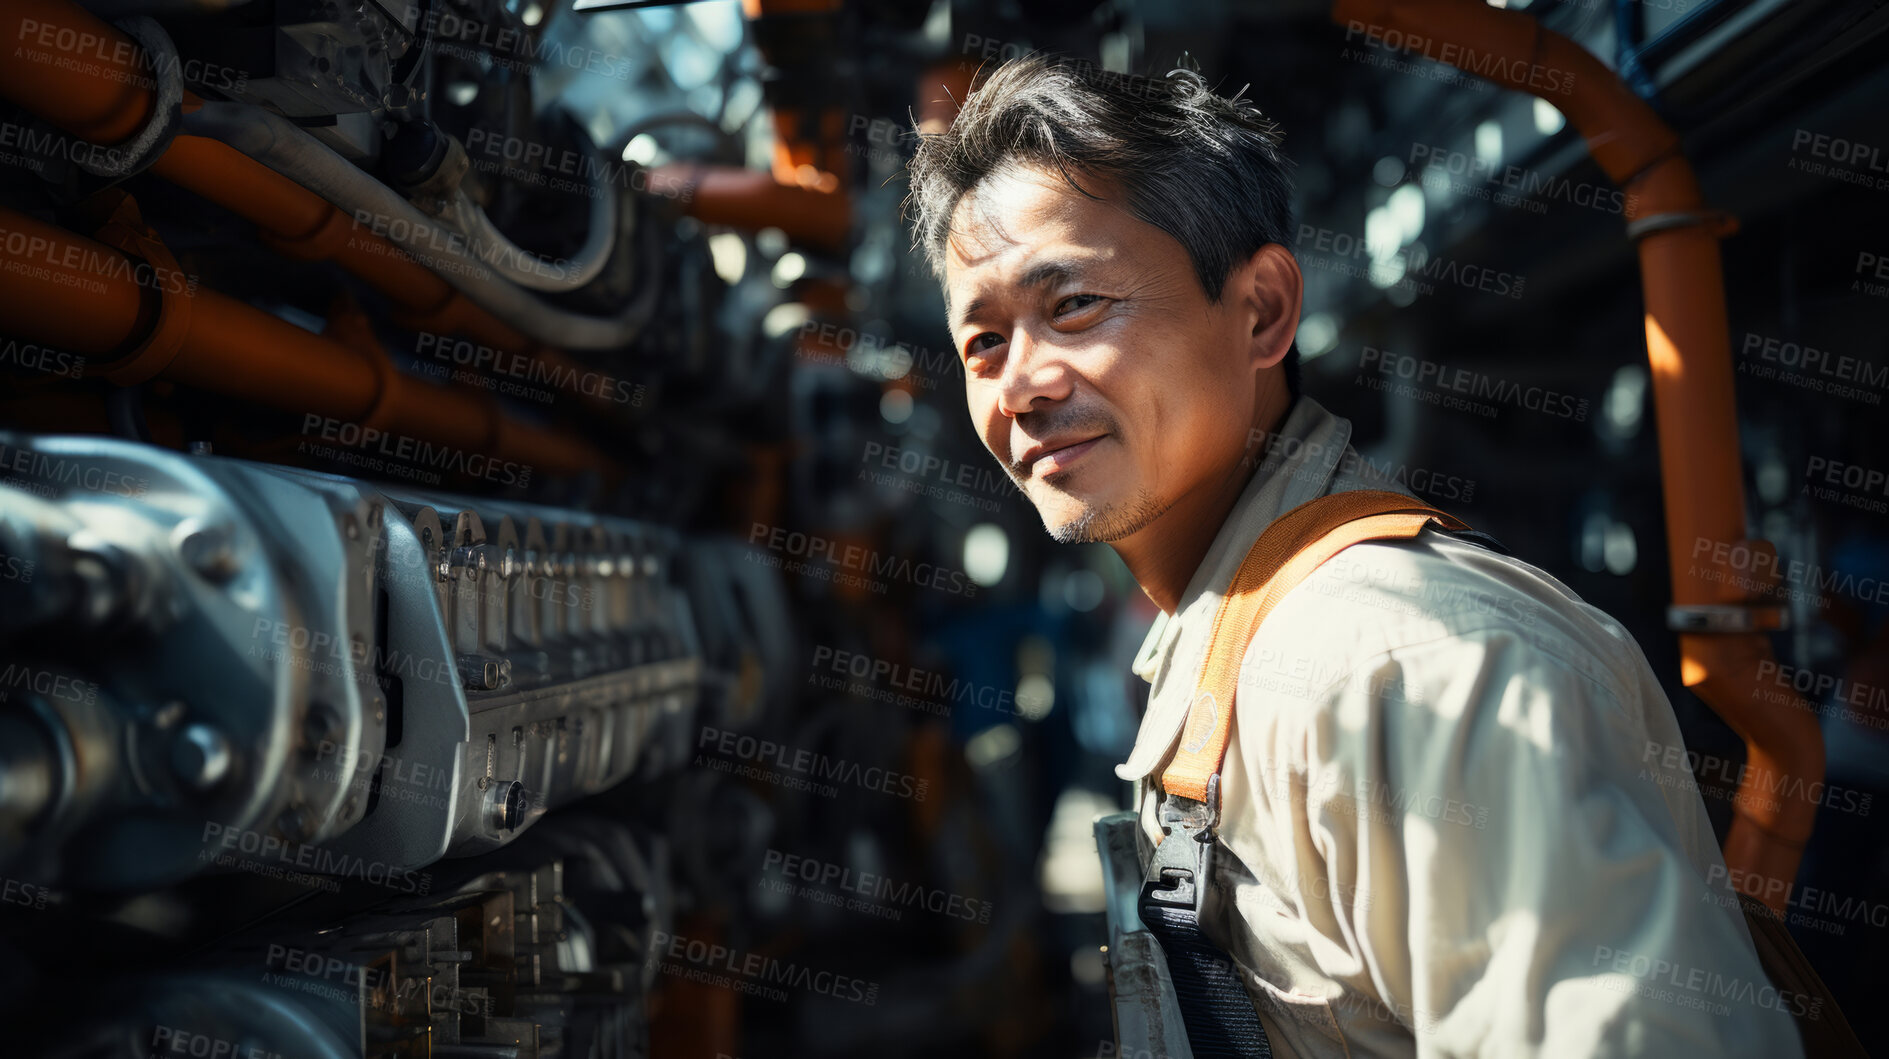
{"x":1204,"y":168}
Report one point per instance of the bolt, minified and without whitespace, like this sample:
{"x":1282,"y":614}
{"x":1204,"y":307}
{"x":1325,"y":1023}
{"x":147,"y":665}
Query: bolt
{"x":200,"y":756}
{"x":321,"y":727}
{"x":505,"y":805}
{"x":207,"y":549}
{"x":482,"y":674}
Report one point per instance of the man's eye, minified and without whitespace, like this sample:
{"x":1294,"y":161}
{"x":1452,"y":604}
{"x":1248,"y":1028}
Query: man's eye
{"x":1075,"y":303}
{"x":983,"y":342}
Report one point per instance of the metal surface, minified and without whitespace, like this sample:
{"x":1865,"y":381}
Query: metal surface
{"x":402,"y":676}
{"x":1147,"y":1013}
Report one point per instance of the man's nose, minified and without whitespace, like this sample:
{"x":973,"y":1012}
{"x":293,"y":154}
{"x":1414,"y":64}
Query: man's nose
{"x":1033,"y":371}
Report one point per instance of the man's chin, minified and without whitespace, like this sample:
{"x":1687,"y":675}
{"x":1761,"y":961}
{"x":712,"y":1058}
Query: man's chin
{"x":1093,"y":521}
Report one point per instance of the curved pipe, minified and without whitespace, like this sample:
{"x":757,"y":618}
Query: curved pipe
{"x":294,"y":221}
{"x":1689,"y":350}
{"x":108,"y":104}
{"x":216,"y":343}
{"x":528,"y":269}
{"x":532,"y":270}
{"x":285,"y":148}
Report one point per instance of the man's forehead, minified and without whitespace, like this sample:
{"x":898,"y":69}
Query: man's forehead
{"x":1014,"y":210}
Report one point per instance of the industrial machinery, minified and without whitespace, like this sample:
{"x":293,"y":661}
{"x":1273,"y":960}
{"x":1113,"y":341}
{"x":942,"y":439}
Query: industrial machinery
{"x":440,"y":439}
{"x":301,"y":654}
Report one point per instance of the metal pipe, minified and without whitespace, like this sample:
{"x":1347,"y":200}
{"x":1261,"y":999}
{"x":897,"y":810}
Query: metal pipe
{"x":1689,"y":350}
{"x":290,"y":151}
{"x":87,"y":297}
{"x":535,"y":271}
{"x":108,"y":103}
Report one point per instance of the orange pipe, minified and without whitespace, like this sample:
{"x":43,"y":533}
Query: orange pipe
{"x":51,"y":43}
{"x":84,"y":296}
{"x":109,"y":106}
{"x":751,"y":199}
{"x":1689,"y":351}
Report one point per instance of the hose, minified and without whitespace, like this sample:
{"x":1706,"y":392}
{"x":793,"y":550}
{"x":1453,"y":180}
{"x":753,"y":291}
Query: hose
{"x":533,"y":270}
{"x":279,"y":144}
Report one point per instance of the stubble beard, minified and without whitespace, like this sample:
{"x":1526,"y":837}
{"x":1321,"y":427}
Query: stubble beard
{"x":1105,"y":523}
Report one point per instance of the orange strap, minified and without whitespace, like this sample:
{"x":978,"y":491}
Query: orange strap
{"x":1296,"y":544}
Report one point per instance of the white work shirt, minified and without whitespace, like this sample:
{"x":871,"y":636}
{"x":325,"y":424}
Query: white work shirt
{"x":1456,"y":818}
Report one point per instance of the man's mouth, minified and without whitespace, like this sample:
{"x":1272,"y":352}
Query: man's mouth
{"x":1047,"y":458}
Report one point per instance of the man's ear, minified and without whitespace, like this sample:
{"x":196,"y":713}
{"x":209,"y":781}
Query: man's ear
{"x":1270,"y":290}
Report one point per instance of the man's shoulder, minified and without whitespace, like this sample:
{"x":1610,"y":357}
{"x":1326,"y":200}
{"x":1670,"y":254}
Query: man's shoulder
{"x":1381,"y":597}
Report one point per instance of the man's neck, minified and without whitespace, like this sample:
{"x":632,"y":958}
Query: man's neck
{"x":1164,"y":555}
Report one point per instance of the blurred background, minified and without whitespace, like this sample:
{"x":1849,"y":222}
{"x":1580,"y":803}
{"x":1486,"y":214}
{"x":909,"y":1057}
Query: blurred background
{"x":582,"y":347}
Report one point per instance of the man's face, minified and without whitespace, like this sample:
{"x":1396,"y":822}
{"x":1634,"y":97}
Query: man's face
{"x":1096,"y":370}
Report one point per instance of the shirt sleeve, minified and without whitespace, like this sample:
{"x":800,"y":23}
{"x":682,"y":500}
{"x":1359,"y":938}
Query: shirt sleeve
{"x":1507,"y":875}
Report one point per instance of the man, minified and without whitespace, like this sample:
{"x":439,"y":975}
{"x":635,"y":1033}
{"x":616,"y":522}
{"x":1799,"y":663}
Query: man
{"x":1449,"y":825}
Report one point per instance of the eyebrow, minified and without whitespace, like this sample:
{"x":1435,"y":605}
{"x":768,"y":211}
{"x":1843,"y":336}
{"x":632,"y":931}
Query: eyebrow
{"x":1043,"y":273}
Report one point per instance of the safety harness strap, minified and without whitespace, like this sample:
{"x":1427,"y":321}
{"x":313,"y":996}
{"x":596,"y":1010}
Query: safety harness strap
{"x":1216,"y":1011}
{"x":1296,"y":544}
